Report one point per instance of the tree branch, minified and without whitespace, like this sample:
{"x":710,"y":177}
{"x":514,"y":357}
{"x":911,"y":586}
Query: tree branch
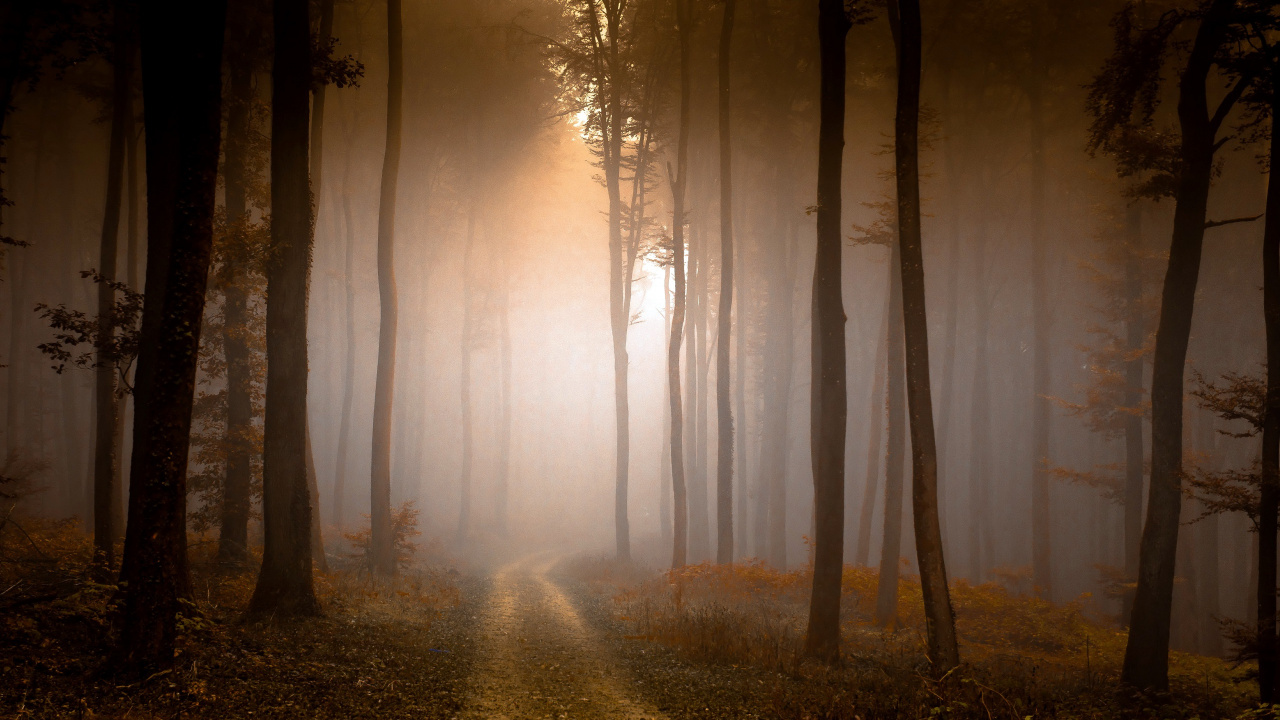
{"x":1232,"y":221}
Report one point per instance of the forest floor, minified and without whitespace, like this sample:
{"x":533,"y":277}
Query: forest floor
{"x":542,"y":636}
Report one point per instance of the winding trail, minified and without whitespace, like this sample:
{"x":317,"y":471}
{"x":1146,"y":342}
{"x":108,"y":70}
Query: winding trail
{"x":538,"y":659}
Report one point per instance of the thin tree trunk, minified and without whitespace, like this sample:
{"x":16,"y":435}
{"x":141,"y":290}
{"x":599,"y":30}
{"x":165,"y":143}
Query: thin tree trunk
{"x":233,"y":531}
{"x":464,"y":482}
{"x":696,"y":491}
{"x":828,"y":393}
{"x":877,"y":419}
{"x":381,"y":541}
{"x":944,"y":653}
{"x":740,"y":403}
{"x":724,"y":400}
{"x":349,"y":364}
{"x":1146,"y":661}
{"x":980,"y":417}
{"x":181,"y":73}
{"x":895,"y":453}
{"x":106,"y":480}
{"x":1135,"y":329}
{"x":1041,"y":545}
{"x":665,"y":487}
{"x":285,"y":583}
{"x":701,"y":492}
{"x":504,"y":427}
{"x":679,"y":549}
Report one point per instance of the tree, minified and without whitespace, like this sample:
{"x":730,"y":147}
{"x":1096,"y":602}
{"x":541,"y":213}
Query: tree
{"x":724,"y":401}
{"x":1124,"y":98}
{"x":827,"y":398}
{"x":181,"y":76}
{"x":285,"y":583}
{"x":380,"y":483}
{"x":944,"y":653}
{"x":677,"y":180}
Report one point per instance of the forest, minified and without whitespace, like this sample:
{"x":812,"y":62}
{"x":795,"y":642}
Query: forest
{"x":796,"y":359}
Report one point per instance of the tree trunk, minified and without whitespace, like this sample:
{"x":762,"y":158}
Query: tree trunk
{"x":181,"y":75}
{"x":862,"y":552}
{"x":504,"y":427}
{"x":1269,"y":500}
{"x":285,"y":584}
{"x":944,"y":653}
{"x":980,"y":541}
{"x":106,"y":480}
{"x":1041,"y":546}
{"x":679,"y":551}
{"x":740,"y":409}
{"x":1146,"y":660}
{"x":895,"y":453}
{"x":349,"y":364}
{"x":724,"y":400}
{"x":382,"y":544}
{"x":828,"y":414}
{"x":700,"y":499}
{"x":233,"y":531}
{"x":696,"y":484}
{"x":1135,"y":329}
{"x":665,"y":488}
{"x":464,"y":482}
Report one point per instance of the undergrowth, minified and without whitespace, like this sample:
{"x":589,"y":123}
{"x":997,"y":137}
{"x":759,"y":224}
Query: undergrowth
{"x":1023,"y":656}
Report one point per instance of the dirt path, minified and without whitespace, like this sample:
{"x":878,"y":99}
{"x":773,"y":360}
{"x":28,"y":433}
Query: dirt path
{"x":537,"y":658}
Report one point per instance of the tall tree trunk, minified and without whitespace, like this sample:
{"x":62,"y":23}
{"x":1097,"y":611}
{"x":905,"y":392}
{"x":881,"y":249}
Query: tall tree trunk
{"x":679,"y":550}
{"x":382,"y":543}
{"x":1135,"y":330}
{"x":285,"y":583}
{"x":944,"y":653}
{"x":181,"y":75}
{"x":233,"y":530}
{"x":701,"y":368}
{"x":740,"y":408}
{"x":1146,"y":660}
{"x":862,"y":553}
{"x":724,"y":401}
{"x":777,"y":424}
{"x":106,"y":480}
{"x":349,"y":363}
{"x":895,"y":453}
{"x":697,"y":487}
{"x":1041,"y":546}
{"x":619,"y":316}
{"x":464,"y":482}
{"x":980,"y":540}
{"x":828,"y":413}
{"x":1269,"y":499}
{"x":664,"y":483}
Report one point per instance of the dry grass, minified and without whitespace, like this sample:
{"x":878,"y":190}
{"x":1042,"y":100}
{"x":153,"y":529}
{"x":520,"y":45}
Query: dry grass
{"x":1023,"y":656}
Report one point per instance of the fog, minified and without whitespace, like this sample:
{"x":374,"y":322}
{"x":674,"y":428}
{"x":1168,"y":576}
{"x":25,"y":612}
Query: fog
{"x":501,"y":255}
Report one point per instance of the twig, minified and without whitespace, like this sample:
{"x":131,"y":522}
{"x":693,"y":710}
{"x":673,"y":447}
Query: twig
{"x":1232,"y":221}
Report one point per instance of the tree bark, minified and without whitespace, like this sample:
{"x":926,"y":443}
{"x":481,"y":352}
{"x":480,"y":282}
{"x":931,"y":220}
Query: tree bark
{"x":664,"y":483}
{"x":895,"y":453}
{"x":349,"y":362}
{"x":285,"y":584}
{"x":724,"y":399}
{"x":1269,"y":499}
{"x":106,"y":478}
{"x":181,"y":75}
{"x":944,"y":653}
{"x":679,"y":549}
{"x":382,"y":543}
{"x":233,"y":531}
{"x":828,"y":393}
{"x":1146,"y":660}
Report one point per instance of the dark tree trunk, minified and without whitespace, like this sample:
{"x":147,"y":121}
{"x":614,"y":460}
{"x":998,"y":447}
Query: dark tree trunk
{"x":106,"y":478}
{"x":679,"y":550}
{"x":1146,"y":660}
{"x":15,"y":21}
{"x":382,"y":543}
{"x":828,"y":394}
{"x":895,"y":453}
{"x":285,"y":584}
{"x":181,"y":75}
{"x":233,"y":531}
{"x":464,"y":481}
{"x":944,"y":653}
{"x":349,"y":363}
{"x":876,"y":414}
{"x":1269,"y":500}
{"x":724,"y":399}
